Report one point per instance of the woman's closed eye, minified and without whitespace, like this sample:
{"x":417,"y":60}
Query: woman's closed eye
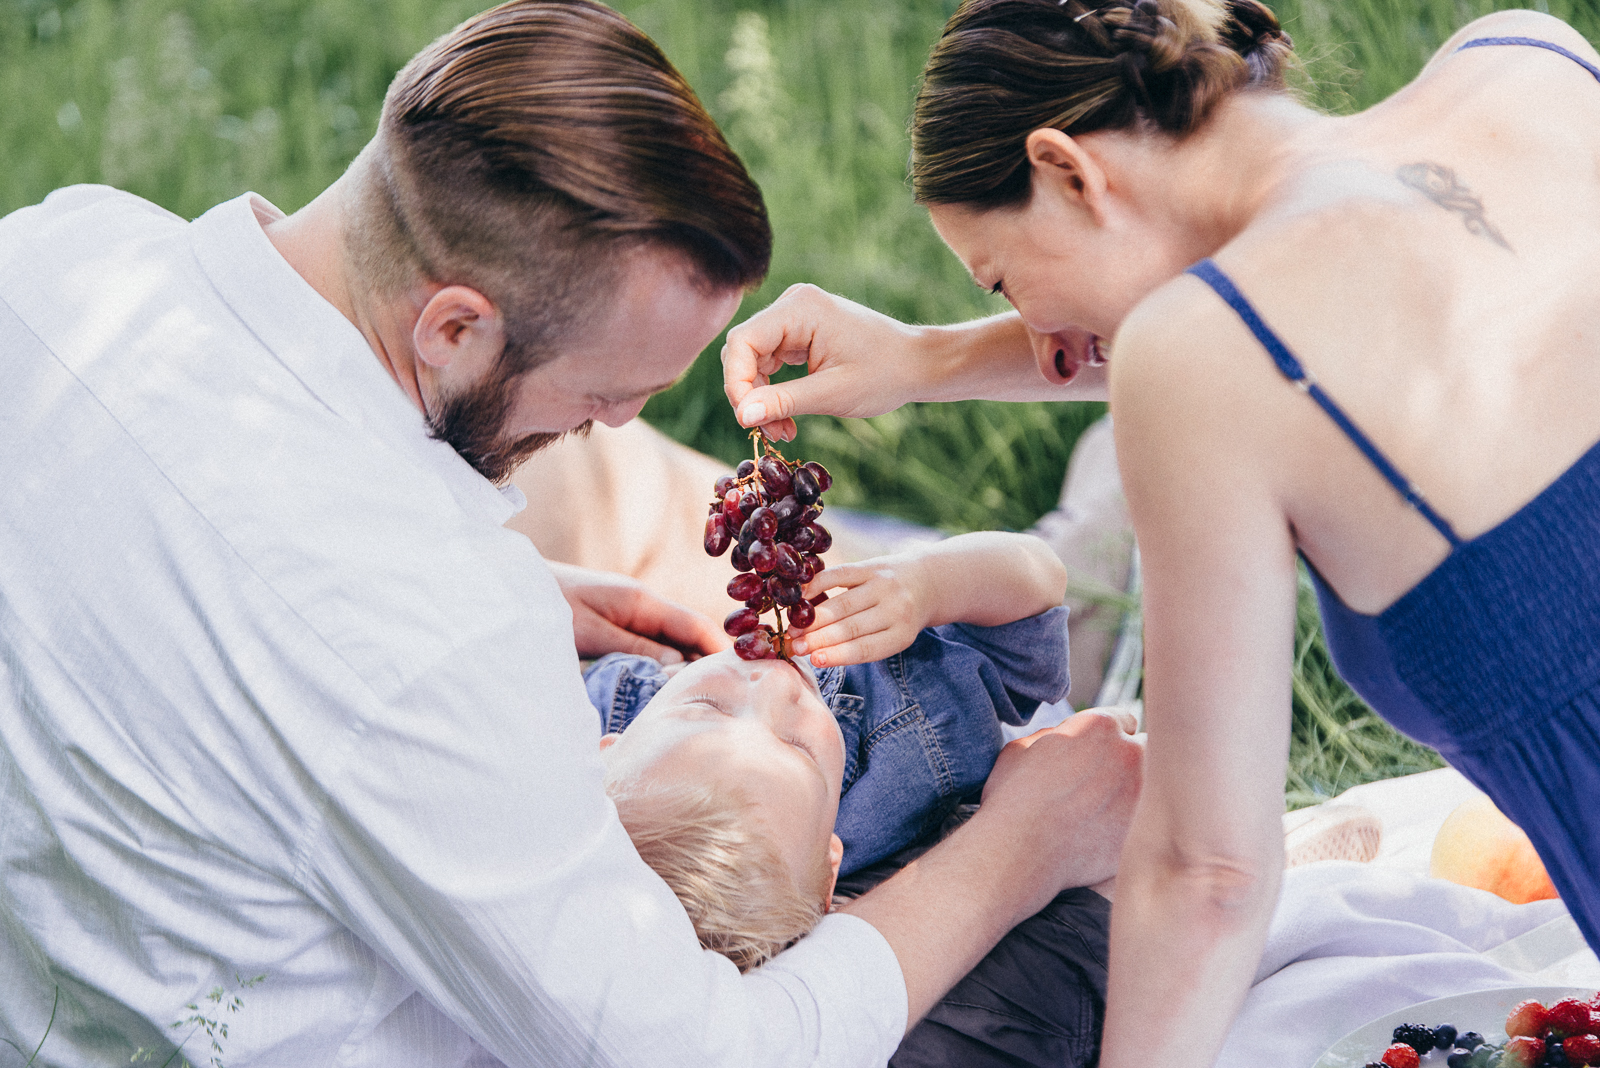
{"x":799,"y":744}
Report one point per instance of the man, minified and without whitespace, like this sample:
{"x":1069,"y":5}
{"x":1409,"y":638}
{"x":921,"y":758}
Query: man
{"x":279,"y":695}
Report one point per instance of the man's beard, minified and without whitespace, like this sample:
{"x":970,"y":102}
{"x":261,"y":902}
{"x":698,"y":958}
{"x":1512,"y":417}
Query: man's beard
{"x":472,"y":422}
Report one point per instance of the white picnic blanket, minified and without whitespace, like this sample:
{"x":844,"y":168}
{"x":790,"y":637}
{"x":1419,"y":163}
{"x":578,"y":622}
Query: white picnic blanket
{"x":1352,"y":942}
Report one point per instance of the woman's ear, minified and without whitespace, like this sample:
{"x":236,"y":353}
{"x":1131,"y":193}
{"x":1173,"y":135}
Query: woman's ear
{"x":459,"y":327}
{"x":1060,"y":163}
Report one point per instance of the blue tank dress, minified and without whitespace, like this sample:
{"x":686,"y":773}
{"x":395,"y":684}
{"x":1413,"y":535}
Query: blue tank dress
{"x":1493,"y":658}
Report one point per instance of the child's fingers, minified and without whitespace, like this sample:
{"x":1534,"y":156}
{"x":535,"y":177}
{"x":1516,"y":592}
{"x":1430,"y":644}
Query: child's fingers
{"x":841,"y":606}
{"x":842,"y":576}
{"x":855,"y":639}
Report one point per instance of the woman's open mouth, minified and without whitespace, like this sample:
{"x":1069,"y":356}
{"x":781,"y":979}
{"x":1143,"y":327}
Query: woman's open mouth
{"x":1093,"y":355}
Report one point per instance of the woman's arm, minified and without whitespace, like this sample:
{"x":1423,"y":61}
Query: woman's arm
{"x":988,"y":578}
{"x":1200,"y":872}
{"x":862,"y":363}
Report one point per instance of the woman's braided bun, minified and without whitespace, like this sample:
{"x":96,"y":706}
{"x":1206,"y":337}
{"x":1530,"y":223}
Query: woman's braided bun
{"x":1005,"y":68}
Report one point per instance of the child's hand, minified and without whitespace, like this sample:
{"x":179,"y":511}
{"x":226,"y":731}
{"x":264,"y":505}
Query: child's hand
{"x":883,"y":607}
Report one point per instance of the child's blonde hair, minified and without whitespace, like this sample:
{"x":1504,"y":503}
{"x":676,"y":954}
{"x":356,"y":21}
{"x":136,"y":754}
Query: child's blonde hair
{"x":705,"y":841}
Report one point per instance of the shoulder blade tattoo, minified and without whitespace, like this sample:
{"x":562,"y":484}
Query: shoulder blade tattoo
{"x":1439,"y":184}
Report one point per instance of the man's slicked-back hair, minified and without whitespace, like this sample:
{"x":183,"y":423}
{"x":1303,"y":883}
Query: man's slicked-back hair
{"x":524,"y":152}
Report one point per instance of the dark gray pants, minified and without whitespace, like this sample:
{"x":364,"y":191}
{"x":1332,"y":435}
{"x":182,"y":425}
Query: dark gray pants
{"x":1037,"y":999}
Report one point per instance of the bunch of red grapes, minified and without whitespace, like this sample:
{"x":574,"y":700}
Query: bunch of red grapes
{"x":766,"y":511}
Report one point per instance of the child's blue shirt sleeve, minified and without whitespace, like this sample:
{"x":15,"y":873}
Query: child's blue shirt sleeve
{"x":922,"y":728}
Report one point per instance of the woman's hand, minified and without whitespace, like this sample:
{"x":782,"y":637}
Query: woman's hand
{"x":884,"y":606}
{"x":859,"y":362}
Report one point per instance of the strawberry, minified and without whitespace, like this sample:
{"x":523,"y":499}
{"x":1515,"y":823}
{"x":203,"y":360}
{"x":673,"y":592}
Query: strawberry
{"x":1569,"y":1017}
{"x":1581,"y":1049}
{"x":1401,"y":1055}
{"x":1527,"y":1018}
{"x":1523,"y":1052}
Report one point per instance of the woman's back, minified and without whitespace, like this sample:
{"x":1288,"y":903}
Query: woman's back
{"x":1435,"y":265}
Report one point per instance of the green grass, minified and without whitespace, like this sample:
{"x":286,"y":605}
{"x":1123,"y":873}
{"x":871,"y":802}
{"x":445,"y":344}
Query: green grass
{"x":189,"y":102}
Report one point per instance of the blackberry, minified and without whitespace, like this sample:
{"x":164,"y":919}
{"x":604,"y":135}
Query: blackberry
{"x":1444,"y":1036}
{"x":1416,"y":1036}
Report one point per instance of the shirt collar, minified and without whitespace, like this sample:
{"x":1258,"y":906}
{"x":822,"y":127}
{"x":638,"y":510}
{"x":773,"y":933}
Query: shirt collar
{"x":325,"y":351}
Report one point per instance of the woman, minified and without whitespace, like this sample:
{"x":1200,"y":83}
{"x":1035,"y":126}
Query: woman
{"x":1383,"y":361}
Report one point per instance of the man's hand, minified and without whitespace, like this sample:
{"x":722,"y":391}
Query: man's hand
{"x":616,"y":614}
{"x":1072,"y":788}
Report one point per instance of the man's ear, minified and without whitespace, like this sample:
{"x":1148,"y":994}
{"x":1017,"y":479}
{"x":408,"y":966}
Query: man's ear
{"x":459,"y":327}
{"x":1059,"y":162}
{"x":835,"y":858}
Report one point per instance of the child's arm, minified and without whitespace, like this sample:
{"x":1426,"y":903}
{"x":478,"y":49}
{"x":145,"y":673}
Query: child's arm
{"x":987,"y":578}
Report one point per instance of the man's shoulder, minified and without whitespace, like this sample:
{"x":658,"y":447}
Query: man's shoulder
{"x":85,"y":216}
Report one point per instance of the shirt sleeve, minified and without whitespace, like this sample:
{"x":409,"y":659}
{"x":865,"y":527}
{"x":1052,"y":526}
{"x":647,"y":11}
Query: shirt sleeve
{"x":1030,"y":655}
{"x":464,"y":835}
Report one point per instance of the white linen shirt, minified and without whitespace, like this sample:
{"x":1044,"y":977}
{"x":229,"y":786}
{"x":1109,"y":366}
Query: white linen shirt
{"x":279,"y":696}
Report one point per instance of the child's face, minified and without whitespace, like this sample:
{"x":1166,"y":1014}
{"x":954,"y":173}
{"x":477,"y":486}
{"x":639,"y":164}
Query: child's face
{"x":760,"y":725}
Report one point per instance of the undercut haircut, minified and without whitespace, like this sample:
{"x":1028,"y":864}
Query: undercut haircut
{"x":525,"y":152}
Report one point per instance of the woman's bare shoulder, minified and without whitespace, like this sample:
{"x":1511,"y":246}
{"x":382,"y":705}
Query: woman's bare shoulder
{"x":1514,"y":23}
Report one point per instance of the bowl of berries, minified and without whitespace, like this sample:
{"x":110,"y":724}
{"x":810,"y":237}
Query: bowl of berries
{"x":1519,"y":1027}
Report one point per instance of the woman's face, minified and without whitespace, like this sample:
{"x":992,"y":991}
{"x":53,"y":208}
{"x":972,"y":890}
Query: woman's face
{"x":1073,"y":269}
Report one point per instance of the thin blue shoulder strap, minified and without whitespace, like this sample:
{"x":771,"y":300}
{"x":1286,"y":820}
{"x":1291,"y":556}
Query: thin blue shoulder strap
{"x":1532,"y":42}
{"x":1209,"y":273}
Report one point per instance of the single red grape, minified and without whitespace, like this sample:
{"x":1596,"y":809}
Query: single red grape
{"x":787,"y":594}
{"x":722,"y":486}
{"x":820,"y":473}
{"x":764,"y":523}
{"x":806,"y":490}
{"x":824,"y":540}
{"x":810,"y":514}
{"x":761,"y":603}
{"x":741,"y":621}
{"x":730,"y":509}
{"x":775,"y":476}
{"x":803,"y":539}
{"x":814,"y":566}
{"x":749,"y":501}
{"x":763,"y":557}
{"x":745,"y":586}
{"x":802,"y":615}
{"x":818,"y":599}
{"x":717,"y":538}
{"x":787,"y":510}
{"x":756,"y":645}
{"x":745,"y":469}
{"x":739,"y":559}
{"x":791,"y":565}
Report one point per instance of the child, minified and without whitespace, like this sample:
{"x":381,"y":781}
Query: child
{"x":751,"y":786}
